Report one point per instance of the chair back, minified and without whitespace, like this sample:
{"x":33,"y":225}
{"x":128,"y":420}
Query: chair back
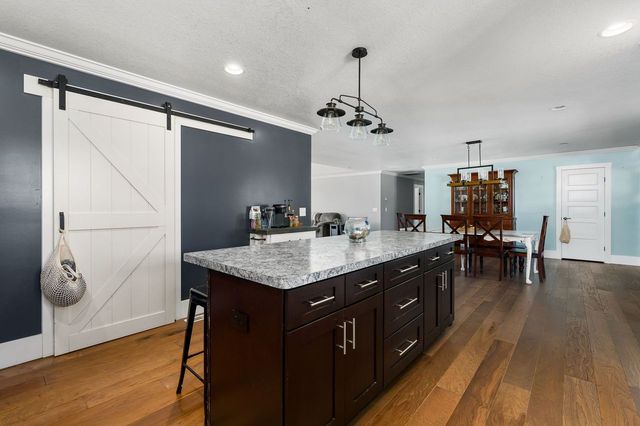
{"x":454,"y":224}
{"x":401,"y":222}
{"x":487,"y":231}
{"x":543,"y":235}
{"x":412,"y":222}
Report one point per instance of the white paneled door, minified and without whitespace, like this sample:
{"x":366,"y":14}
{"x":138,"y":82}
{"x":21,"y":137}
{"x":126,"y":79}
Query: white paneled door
{"x":583,"y":206}
{"x":114,"y":180}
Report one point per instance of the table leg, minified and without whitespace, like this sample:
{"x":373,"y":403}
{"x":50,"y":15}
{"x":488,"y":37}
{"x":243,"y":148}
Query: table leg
{"x":528,"y":245}
{"x":463,"y":262}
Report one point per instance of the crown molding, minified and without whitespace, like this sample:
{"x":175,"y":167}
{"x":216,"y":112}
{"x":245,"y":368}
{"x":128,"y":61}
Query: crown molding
{"x":54,"y":56}
{"x":338,"y":175}
{"x":537,"y":157}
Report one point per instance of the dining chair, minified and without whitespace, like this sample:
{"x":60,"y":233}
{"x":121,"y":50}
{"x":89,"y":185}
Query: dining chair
{"x":488,"y":241}
{"x":519,"y":253}
{"x":412,"y":222}
{"x":458,"y":224}
{"x":401,"y":222}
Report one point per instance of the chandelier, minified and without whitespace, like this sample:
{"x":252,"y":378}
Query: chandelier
{"x":331,"y":113}
{"x":485,"y":173}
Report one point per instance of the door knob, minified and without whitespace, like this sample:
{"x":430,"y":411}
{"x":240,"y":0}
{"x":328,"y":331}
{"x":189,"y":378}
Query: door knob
{"x":566,"y":218}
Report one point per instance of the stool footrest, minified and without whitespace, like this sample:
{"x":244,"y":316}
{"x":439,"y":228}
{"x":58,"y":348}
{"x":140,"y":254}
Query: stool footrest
{"x":199,"y":377}
{"x":195,"y":354}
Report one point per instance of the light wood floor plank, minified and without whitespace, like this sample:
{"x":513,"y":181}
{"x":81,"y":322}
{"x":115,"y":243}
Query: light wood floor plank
{"x":580,"y":403}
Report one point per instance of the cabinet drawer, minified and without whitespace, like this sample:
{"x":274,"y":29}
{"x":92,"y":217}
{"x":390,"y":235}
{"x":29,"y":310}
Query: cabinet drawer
{"x":305,"y":304}
{"x":439,"y":256}
{"x":403,"y":303}
{"x":400,"y":270}
{"x":401,"y":349}
{"x":363,"y":283}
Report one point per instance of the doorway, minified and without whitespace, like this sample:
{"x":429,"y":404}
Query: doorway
{"x":584,"y":204}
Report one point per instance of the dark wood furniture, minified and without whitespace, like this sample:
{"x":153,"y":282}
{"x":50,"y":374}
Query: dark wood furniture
{"x":318,"y":354}
{"x":487,"y":240}
{"x":458,"y":224}
{"x":519,"y":253}
{"x":412,"y":222}
{"x":493,"y":199}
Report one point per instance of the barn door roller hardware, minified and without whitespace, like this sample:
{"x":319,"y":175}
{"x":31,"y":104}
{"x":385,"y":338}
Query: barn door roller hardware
{"x":61,"y":83}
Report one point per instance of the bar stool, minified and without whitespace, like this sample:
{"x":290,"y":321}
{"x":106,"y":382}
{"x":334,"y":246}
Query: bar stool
{"x":197,"y":297}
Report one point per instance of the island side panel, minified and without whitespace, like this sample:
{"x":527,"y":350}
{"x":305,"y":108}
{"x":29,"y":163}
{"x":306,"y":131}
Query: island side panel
{"x":246,"y":352}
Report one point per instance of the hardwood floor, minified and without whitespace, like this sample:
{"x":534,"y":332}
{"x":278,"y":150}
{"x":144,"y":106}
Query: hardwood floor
{"x":563,"y":352}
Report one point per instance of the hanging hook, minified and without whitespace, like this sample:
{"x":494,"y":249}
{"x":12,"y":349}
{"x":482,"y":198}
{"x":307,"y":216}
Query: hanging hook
{"x":61,"y":226}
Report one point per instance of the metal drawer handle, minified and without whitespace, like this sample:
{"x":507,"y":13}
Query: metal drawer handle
{"x":451,"y":252}
{"x":344,"y":337}
{"x":410,"y":302}
{"x":325,"y":299}
{"x":412,"y":343}
{"x":353,"y":333}
{"x":367,"y":283}
{"x":442,"y":286}
{"x":433,"y":259}
{"x":410,"y":268}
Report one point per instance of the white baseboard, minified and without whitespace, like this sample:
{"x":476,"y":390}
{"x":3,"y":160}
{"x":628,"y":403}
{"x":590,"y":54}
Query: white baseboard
{"x":22,"y":350}
{"x":551,"y":254}
{"x":182,"y":309}
{"x":624,"y":260}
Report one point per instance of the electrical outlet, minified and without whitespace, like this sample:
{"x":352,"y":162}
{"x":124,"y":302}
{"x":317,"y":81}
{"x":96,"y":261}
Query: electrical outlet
{"x":375,"y":210}
{"x":303,"y":212}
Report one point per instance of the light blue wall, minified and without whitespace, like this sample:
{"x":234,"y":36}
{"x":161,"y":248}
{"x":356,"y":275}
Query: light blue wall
{"x":536,"y":195}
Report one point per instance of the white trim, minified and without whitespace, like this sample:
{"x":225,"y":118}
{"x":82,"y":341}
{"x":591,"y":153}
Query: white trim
{"x":537,"y":157}
{"x":607,"y":203}
{"x":551,"y":254}
{"x":624,"y":260}
{"x":17,"y":351}
{"x":48,"y":229}
{"x":48,"y":54}
{"x":336,"y":175}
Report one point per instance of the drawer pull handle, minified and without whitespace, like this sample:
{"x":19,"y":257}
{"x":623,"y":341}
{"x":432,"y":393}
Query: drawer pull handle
{"x":433,"y":259}
{"x":367,"y":284}
{"x":344,"y":337}
{"x":451,"y":252}
{"x":410,"y":302}
{"x":407,"y":269}
{"x":412,"y":343}
{"x":324,"y":299}
{"x":353,"y":333}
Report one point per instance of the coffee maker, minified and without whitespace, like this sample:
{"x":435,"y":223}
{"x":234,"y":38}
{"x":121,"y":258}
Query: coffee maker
{"x":280,"y":219}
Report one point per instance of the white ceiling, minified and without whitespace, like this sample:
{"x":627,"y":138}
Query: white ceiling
{"x":439,"y":72}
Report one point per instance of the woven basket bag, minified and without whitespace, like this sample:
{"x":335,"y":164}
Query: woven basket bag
{"x":60,"y":280}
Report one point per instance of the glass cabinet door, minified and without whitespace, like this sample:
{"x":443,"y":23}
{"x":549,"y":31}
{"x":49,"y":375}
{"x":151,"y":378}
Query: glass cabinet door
{"x":460,"y":201}
{"x":501,"y":195}
{"x":480,"y":199}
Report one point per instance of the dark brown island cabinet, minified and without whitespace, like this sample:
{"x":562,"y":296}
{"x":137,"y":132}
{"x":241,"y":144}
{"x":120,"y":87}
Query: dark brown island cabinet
{"x":318,"y":354}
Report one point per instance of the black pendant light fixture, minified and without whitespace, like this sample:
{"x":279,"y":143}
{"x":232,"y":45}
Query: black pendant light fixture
{"x":331,"y":114}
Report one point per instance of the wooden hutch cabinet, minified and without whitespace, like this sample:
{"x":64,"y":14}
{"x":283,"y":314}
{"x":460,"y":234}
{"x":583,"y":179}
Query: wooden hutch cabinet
{"x":496,"y":198}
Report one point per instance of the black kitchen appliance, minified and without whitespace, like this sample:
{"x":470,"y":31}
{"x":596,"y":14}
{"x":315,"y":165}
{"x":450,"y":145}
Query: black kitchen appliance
{"x":280,"y":219}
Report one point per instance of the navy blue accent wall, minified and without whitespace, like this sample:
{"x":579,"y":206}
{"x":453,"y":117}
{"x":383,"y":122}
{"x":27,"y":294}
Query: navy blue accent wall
{"x":281,"y":160}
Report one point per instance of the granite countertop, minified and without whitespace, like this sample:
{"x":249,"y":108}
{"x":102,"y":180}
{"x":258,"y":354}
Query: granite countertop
{"x":287,"y":230}
{"x":293,"y":264}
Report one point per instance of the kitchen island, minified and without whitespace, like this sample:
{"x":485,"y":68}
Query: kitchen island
{"x":309,"y":332}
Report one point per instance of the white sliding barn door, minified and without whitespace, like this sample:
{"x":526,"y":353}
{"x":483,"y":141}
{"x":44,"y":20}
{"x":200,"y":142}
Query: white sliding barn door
{"x":114,"y":180}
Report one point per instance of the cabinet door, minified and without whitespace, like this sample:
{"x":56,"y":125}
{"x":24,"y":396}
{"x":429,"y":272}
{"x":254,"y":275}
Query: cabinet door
{"x":363,"y":361}
{"x":314,"y":372}
{"x":446,"y":296}
{"x":432,"y":296}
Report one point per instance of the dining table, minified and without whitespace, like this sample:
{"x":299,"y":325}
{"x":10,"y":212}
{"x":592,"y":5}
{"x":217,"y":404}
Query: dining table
{"x":527,"y":238}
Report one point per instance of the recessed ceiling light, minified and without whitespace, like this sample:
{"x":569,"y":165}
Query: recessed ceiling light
{"x":559,"y":108}
{"x":616,"y":29}
{"x":233,"y":69}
